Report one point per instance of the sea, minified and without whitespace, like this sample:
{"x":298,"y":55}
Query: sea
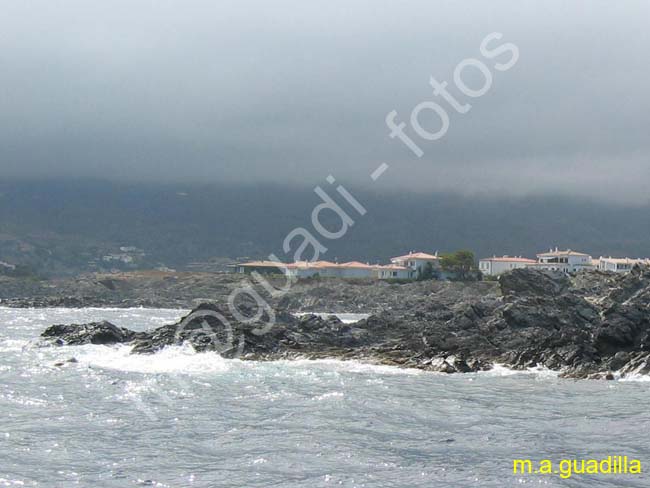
{"x":97,"y":416}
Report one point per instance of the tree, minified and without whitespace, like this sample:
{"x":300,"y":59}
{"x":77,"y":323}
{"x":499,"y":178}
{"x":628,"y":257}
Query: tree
{"x":460,"y":263}
{"x":426,"y":272}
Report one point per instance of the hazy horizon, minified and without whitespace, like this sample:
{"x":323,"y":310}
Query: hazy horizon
{"x":289,"y":93}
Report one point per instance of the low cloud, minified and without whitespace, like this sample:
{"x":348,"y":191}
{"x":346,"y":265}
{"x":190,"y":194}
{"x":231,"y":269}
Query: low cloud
{"x":291,"y":92}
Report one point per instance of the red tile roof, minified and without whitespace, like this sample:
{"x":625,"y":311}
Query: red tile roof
{"x":312,"y":264}
{"x":354,"y":264}
{"x":264,"y":264}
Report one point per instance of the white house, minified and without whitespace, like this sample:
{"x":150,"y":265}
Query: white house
{"x":619,"y":265}
{"x":416,"y":262}
{"x":305,"y":269}
{"x":355,"y":269}
{"x":568,"y":261}
{"x":495,"y":266}
{"x":392,"y":271}
{"x":348,"y":270}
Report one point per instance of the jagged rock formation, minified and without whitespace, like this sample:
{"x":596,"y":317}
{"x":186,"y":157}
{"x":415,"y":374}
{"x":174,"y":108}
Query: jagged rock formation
{"x":159,"y":289}
{"x":588,"y":325}
{"x":92,"y":333}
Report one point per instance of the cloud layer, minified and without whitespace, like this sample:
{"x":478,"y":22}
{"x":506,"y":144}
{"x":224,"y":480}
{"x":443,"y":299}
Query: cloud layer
{"x":293,"y":91}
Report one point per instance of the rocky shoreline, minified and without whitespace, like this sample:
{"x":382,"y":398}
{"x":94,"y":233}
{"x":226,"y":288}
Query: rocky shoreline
{"x":154,"y":289}
{"x":592,"y":325}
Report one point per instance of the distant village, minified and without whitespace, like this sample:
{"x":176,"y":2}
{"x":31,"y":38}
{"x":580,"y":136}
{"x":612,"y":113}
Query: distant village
{"x":415,"y":265}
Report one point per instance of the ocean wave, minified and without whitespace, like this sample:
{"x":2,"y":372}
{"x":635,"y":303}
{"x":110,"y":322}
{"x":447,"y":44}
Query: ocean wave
{"x":184,"y":359}
{"x":632,"y":378}
{"x":350,"y":366}
{"x":501,"y":370}
{"x":173,"y":359}
{"x":13,"y":345}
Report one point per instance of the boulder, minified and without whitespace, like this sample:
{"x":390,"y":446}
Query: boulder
{"x":92,"y":333}
{"x":534,"y":282}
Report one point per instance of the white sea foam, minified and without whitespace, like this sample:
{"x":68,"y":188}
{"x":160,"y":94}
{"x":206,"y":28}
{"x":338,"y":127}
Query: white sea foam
{"x":350,"y":366}
{"x":262,"y":421}
{"x":13,"y":345}
{"x":500,"y":370}
{"x":641,"y":378}
{"x":184,"y":359}
{"x":173,"y":359}
{"x":541,"y":372}
{"x":21,"y":323}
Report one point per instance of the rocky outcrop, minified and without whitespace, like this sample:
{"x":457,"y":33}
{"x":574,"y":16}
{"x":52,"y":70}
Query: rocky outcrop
{"x":161,"y":289}
{"x":93,"y":333}
{"x":589,"y":325}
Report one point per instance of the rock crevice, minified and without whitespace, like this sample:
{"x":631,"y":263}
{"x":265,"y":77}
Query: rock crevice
{"x":587,"y":325}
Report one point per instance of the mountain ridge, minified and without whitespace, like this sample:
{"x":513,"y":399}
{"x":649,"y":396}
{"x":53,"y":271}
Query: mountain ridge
{"x":60,"y":228}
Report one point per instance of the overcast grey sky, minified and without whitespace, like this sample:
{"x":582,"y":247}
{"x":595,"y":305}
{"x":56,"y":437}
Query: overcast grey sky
{"x":291,"y":91}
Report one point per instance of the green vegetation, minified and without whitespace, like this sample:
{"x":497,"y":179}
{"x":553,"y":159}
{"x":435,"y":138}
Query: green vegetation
{"x":427,"y":273}
{"x":461,"y":264}
{"x":64,"y":228}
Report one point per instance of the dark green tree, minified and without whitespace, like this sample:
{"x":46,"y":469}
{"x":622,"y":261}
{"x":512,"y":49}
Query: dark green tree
{"x":426,"y":273}
{"x":460,"y":263}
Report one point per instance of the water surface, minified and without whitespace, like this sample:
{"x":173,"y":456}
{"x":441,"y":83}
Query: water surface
{"x":179,"y":419}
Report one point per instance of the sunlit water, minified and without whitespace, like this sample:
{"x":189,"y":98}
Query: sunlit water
{"x":179,"y":419}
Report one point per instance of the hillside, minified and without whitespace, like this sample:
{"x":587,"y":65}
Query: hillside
{"x":66,"y":228}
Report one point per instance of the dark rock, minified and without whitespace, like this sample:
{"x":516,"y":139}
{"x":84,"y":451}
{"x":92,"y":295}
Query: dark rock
{"x":534,"y":282}
{"x":67,"y":361}
{"x":92,"y":333}
{"x":584,"y":326}
{"x":619,"y":360}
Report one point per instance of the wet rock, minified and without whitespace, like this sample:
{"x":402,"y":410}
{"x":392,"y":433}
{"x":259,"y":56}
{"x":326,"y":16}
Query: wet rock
{"x":619,"y":360}
{"x":534,"y":282}
{"x":441,"y":366}
{"x":582,"y":326}
{"x":67,"y":361}
{"x":638,"y":364}
{"x":93,"y":333}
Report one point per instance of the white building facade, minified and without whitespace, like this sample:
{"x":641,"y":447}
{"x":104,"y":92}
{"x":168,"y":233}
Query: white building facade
{"x":496,"y":266}
{"x":392,"y":272}
{"x":567,"y":261}
{"x":417,"y":262}
{"x":619,"y":265}
{"x":412,"y":265}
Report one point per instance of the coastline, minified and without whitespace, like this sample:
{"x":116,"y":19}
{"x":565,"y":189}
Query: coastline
{"x":591,"y":325}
